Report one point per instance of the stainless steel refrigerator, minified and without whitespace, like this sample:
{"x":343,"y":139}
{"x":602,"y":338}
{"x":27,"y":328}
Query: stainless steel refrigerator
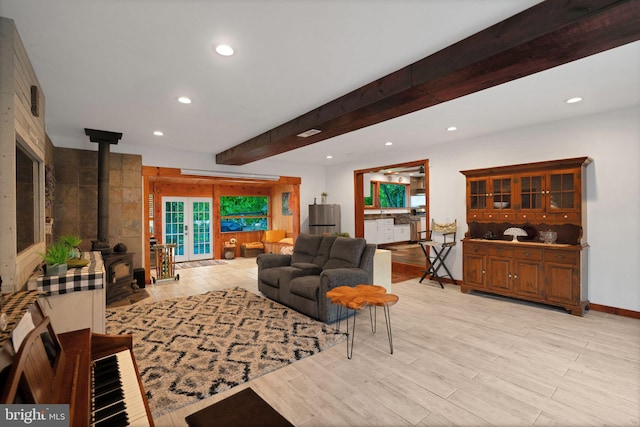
{"x":324,"y":219}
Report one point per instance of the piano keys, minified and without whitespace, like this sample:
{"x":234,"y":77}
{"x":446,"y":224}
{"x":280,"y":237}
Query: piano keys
{"x":116,"y":399}
{"x":95,"y":374}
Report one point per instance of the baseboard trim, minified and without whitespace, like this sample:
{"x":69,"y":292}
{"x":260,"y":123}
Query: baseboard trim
{"x":614,"y":310}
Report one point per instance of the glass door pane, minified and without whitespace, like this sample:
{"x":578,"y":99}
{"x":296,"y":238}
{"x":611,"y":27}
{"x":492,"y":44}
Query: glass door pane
{"x":531,"y":191}
{"x":477,"y":194}
{"x":501,"y":193}
{"x":201,"y":234}
{"x":561,"y":191}
{"x":174,"y":226}
{"x":188,"y":224}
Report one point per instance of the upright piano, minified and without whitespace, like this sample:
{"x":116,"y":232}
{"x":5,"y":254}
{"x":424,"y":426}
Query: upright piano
{"x":95,"y":374}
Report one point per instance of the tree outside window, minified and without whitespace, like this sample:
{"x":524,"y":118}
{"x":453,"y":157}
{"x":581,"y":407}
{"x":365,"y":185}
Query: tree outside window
{"x":244,"y":213}
{"x":387,"y":195}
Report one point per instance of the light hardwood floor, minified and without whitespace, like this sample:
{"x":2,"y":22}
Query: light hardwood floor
{"x":458,"y":359}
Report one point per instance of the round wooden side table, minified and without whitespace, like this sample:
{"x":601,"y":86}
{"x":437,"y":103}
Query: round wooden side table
{"x":356,"y":298}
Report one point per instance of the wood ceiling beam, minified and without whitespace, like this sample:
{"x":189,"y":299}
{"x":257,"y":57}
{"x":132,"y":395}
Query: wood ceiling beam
{"x":547,"y":35}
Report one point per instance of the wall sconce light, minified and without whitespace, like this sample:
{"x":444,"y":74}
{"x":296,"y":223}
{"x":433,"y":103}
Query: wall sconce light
{"x":34,"y":101}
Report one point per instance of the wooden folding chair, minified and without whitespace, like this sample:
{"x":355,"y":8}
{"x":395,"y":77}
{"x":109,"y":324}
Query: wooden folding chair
{"x":445,"y":240}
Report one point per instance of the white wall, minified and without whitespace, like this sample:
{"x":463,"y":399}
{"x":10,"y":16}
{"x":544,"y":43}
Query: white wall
{"x":612,"y":140}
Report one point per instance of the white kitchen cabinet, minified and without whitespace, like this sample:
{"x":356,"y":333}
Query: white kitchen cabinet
{"x":385,"y":230}
{"x":371,"y":231}
{"x":401,"y":233}
{"x":381,"y":231}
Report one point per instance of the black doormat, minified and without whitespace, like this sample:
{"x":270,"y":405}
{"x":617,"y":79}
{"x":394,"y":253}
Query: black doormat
{"x":244,"y":408}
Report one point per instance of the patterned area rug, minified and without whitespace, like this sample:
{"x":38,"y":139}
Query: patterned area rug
{"x":190,"y":348}
{"x":203,"y":263}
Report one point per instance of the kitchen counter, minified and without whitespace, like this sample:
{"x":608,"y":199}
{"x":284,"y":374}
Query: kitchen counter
{"x":402,"y":218}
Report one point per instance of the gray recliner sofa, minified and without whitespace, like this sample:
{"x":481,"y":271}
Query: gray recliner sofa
{"x":318,"y":264}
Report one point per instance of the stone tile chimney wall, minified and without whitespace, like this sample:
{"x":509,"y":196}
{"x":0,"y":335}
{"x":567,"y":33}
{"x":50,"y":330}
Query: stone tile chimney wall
{"x":75,"y":208}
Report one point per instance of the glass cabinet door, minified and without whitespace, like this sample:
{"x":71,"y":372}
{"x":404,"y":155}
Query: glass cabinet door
{"x":501,"y":193}
{"x":562,"y":191}
{"x":477,"y":194}
{"x":532,"y":192}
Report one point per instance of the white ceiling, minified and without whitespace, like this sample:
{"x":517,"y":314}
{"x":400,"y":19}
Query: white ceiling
{"x":119,"y":65}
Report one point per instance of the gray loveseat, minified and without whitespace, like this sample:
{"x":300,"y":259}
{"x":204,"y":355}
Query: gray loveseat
{"x":318,"y":264}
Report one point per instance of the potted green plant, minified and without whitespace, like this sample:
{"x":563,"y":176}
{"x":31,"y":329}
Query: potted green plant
{"x":55,"y":258}
{"x":72,"y":241}
{"x":323,"y":197}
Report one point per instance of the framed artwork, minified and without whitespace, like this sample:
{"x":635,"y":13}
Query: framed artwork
{"x":286,"y":196}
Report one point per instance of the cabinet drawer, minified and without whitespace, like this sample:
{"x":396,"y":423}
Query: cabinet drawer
{"x":500,"y":251}
{"x":566,"y":217}
{"x":558,"y":217}
{"x":490,"y":216}
{"x":561,"y":257}
{"x":474,"y":249}
{"x":471,"y":217}
{"x":528,"y":253}
{"x":500,"y":216}
{"x":385,"y":221}
{"x":526,"y":217}
{"x":545,"y":217}
{"x":505,"y":216}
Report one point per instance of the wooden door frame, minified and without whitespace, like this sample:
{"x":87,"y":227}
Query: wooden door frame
{"x":216,"y":186}
{"x":358,"y":185}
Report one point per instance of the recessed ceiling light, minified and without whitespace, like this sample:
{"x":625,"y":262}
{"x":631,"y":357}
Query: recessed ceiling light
{"x":329,"y":156}
{"x":184,"y":100}
{"x":224,"y":50}
{"x":452,"y":128}
{"x":158,"y":133}
{"x":573,"y":100}
{"x":388,"y":143}
{"x":308,"y":133}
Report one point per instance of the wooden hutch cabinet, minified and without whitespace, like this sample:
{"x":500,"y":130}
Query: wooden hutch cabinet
{"x":536,"y":197}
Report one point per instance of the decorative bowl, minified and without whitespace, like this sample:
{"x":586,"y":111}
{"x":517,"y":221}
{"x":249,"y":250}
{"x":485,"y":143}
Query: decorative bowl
{"x":549,"y":237}
{"x":500,"y":205}
{"x":515,"y":232}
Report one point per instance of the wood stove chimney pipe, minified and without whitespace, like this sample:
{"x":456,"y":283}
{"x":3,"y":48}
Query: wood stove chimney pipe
{"x":104,"y":139}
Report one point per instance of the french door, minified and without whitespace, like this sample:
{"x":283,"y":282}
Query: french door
{"x":188,"y":222}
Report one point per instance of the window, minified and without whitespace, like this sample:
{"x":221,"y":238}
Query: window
{"x":370,"y":200}
{"x":387,"y":195}
{"x":244,"y":213}
{"x":27,"y":199}
{"x":393,"y":195}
